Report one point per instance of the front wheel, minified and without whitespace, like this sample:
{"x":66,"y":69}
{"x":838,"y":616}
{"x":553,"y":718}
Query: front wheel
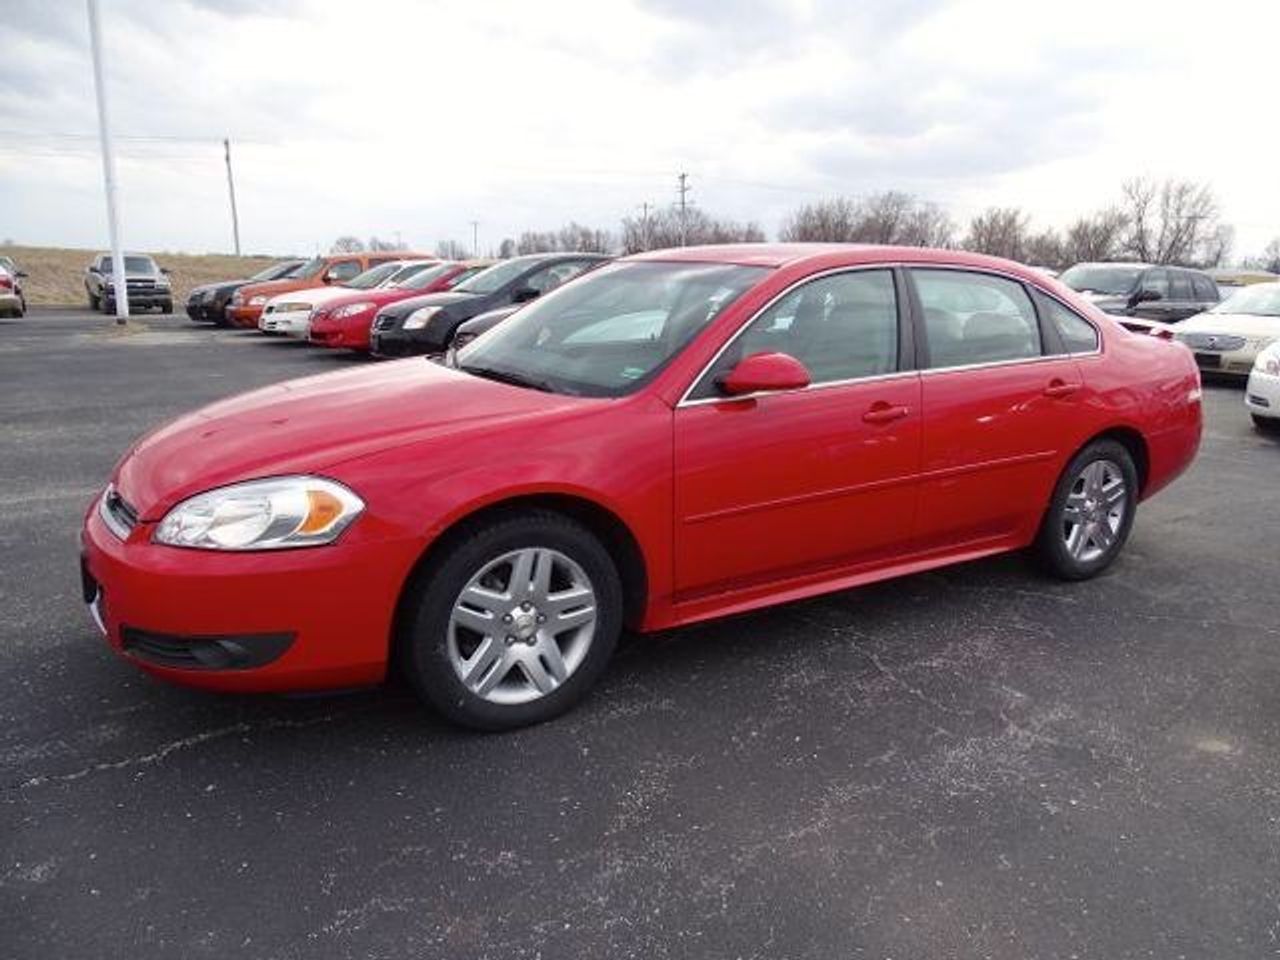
{"x":515,"y":622}
{"x":1091,"y":513}
{"x":94,"y":303}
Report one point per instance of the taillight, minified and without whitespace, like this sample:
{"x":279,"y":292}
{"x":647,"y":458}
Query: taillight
{"x":1164,"y":333}
{"x":6,"y":282}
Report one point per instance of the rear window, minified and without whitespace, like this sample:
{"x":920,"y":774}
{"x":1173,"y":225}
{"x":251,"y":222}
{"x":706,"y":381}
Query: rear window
{"x":1204,"y":288}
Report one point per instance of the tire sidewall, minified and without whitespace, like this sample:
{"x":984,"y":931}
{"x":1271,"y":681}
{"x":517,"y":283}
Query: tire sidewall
{"x":423,"y":645}
{"x":1052,"y":549}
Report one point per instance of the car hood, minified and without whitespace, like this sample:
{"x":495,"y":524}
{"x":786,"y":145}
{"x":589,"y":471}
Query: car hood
{"x":271,"y":288}
{"x":1239,"y":324}
{"x":312,"y":295}
{"x":310,"y":424}
{"x":443,"y":299}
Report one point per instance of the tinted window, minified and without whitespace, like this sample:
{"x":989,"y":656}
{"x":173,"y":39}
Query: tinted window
{"x":1157,"y":280}
{"x":1078,"y":334}
{"x":344,"y":270}
{"x":975,"y":318}
{"x":841,"y":327}
{"x":1179,"y":285}
{"x":1204,"y":288}
{"x":1101,"y":278}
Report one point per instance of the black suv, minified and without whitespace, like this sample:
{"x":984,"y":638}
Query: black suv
{"x":1167,"y":294}
{"x":426,"y":324}
{"x":208,"y":302}
{"x":147,"y":283}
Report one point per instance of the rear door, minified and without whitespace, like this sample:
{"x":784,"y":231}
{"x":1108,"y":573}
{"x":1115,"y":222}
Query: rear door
{"x":1001,"y":402}
{"x":790,"y":483}
{"x":1155,"y":281}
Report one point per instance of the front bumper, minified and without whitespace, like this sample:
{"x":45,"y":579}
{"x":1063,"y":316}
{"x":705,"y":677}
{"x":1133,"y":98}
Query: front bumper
{"x":399,"y":343}
{"x":349,"y":333}
{"x":10,"y":303}
{"x":1262,"y":395}
{"x":311,"y":618}
{"x":294,"y":323}
{"x":243,"y":315}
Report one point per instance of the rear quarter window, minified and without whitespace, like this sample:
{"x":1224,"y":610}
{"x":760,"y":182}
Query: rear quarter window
{"x":1078,"y":334}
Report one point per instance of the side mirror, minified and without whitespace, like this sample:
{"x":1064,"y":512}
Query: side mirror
{"x":330,"y":277}
{"x":1146,"y":296}
{"x":93,"y":268}
{"x":21,"y":273}
{"x":523,"y":295}
{"x":764,"y":372}
{"x":165,"y":271}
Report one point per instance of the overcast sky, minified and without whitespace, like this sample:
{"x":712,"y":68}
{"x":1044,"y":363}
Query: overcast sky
{"x":416,"y":117}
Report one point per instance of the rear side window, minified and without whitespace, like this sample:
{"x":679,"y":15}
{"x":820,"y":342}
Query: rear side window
{"x":1179,"y":285}
{"x":975,"y":318}
{"x":1205,"y":290}
{"x":1157,"y":280}
{"x":1078,"y":334}
{"x":345,"y":270}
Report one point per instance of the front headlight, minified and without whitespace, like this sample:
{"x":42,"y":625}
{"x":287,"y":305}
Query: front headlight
{"x":257,"y":301}
{"x":1268,"y":362}
{"x":282,"y":512}
{"x":418,"y":319}
{"x":351,"y":309}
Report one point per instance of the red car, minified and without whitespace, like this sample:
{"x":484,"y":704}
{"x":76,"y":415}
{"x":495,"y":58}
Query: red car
{"x":344,"y":323}
{"x":674,"y":436}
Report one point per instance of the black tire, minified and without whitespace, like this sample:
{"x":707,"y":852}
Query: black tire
{"x":1266,"y":424}
{"x":1050,"y":546}
{"x":94,"y":302}
{"x":108,"y":306}
{"x":423,"y":641}
{"x":166,"y":307}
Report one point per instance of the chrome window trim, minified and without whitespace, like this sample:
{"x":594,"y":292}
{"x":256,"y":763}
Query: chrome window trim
{"x":896,"y":375}
{"x":888,"y":268}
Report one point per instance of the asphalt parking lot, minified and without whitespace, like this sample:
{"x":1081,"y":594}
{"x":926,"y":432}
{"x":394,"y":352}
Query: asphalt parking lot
{"x":975,"y":762}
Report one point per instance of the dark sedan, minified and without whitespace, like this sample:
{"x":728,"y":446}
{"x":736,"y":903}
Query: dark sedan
{"x":207,"y":303}
{"x":426,"y":324}
{"x":1160,"y":293}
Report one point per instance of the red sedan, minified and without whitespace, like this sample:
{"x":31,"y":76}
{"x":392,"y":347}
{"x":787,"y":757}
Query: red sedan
{"x":344,"y":323}
{"x":675,"y":436}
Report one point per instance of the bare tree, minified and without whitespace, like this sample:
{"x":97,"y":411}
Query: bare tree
{"x":571,"y":237}
{"x":1097,"y":237}
{"x":376,"y":243}
{"x":665,"y":229}
{"x":1217,"y":246}
{"x":1175,"y":221}
{"x":1000,"y":232}
{"x":1046,"y":249}
{"x":347,"y":244}
{"x":1269,"y":260}
{"x":890,"y":217}
{"x":506,"y":249}
{"x":453,"y":250}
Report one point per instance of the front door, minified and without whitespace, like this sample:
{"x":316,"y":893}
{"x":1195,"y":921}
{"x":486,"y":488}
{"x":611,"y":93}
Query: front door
{"x":789,"y":483}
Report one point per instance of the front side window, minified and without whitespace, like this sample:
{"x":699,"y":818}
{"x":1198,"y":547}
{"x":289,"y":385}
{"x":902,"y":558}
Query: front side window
{"x":972,"y":318}
{"x":610,"y":332}
{"x":1179,"y":285}
{"x":1158,"y":281}
{"x":841,"y":327}
{"x":421,"y":277}
{"x":1078,"y":334}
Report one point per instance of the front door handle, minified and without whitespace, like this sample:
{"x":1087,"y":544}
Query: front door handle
{"x":882,"y":412}
{"x":1060,"y":388}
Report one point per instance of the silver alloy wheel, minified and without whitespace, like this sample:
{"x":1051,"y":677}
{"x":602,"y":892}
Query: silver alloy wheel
{"x":1095,"y":510}
{"x":521,"y":626}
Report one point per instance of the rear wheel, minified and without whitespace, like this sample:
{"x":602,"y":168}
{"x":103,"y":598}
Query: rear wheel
{"x":514,"y":623}
{"x":166,"y":307}
{"x":1091,"y":513}
{"x":94,"y":302}
{"x":1266,"y":424}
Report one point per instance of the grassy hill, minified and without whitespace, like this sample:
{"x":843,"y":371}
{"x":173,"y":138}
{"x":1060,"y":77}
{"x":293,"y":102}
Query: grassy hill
{"x":56,"y":275}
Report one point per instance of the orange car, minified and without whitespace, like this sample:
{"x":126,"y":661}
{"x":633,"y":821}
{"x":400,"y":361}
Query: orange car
{"x":246,"y":305}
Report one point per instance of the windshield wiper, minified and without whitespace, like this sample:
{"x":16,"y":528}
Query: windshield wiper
{"x":504,"y":376}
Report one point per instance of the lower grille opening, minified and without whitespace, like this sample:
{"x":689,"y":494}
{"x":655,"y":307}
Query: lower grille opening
{"x":224,"y":652}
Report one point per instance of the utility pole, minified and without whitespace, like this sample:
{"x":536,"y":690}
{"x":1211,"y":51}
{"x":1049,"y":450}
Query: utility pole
{"x":683,"y":190}
{"x":108,"y":169}
{"x":475,"y":238}
{"x":231,"y":186}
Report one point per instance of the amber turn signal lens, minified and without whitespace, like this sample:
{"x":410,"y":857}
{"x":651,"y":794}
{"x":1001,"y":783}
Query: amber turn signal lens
{"x":322,"y":509}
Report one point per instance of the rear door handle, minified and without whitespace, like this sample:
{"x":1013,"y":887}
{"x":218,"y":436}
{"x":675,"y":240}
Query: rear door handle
{"x":1060,"y":388}
{"x":882,"y":412}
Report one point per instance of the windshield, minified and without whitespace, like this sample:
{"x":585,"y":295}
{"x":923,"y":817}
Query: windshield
{"x":405,"y":272}
{"x":137,"y":265}
{"x":310,"y":269}
{"x":1261,"y":300}
{"x":497,"y":276}
{"x":372,"y":277}
{"x":277,"y":271}
{"x":609,"y":332}
{"x":1102,"y":278}
{"x":424,"y":277}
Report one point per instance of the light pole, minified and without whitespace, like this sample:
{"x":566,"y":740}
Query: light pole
{"x":108,"y":169}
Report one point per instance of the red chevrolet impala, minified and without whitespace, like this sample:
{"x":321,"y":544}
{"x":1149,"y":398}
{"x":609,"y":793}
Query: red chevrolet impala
{"x":675,"y":436}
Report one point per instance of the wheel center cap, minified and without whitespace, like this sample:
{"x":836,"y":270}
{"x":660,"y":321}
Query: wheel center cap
{"x":524,"y":623}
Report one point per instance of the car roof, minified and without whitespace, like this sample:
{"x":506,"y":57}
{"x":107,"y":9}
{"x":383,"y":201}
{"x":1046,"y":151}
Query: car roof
{"x":829,"y":255}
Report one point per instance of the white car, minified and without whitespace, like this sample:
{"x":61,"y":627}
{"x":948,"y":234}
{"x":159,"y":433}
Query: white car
{"x":1228,"y":338}
{"x":1262,"y":395}
{"x":290,"y":313}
